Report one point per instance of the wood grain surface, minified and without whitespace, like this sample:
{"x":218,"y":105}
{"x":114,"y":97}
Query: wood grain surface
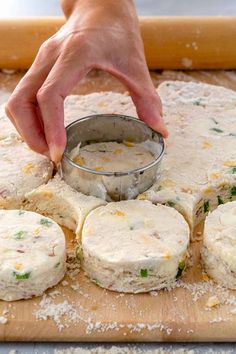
{"x":95,"y":314}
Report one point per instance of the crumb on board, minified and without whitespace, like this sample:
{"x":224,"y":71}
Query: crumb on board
{"x":3,"y":320}
{"x":213,"y":301}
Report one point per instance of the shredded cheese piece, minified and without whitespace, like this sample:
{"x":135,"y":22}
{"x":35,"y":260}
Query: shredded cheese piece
{"x":214,"y":175}
{"x":206,"y":144}
{"x":79,"y":160}
{"x":209,"y":190}
{"x":47,"y":194}
{"x":119,"y":213}
{"x":117,"y":152}
{"x":28,"y":167}
{"x":128,"y":143}
{"x":103,"y":104}
{"x":229,"y":163}
{"x":18,"y":266}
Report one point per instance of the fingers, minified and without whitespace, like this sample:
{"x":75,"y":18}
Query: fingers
{"x":67,"y":71}
{"x":22,"y":107}
{"x":147,"y":102}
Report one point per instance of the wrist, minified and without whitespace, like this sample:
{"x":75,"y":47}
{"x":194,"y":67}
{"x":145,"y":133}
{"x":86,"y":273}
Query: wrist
{"x":70,"y":7}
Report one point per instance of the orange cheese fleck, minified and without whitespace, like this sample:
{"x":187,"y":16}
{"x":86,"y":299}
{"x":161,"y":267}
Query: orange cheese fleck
{"x":79,"y":160}
{"x":209,"y":190}
{"x":28,"y":167}
{"x":119,"y":213}
{"x":117,"y":152}
{"x":18,"y":266}
{"x":229,"y":163}
{"x":128,"y":143}
{"x":141,"y":197}
{"x":214,"y":175}
{"x":206,"y":144}
{"x":47,"y":194}
{"x":205,"y":277}
{"x":168,"y":183}
{"x":167,"y":256}
{"x":106,"y":159}
{"x":102,"y":104}
{"x":36,"y":232}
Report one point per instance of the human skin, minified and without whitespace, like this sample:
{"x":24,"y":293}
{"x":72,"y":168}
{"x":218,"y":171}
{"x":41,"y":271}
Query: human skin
{"x":101,"y":34}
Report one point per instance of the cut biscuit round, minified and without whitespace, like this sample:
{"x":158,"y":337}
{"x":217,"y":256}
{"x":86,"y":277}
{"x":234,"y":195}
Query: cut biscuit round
{"x":33,"y":254}
{"x":219,"y":245}
{"x":21,"y":171}
{"x":134,"y":246}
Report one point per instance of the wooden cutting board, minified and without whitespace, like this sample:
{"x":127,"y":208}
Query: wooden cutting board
{"x":89,"y":313}
{"x":94,"y":314}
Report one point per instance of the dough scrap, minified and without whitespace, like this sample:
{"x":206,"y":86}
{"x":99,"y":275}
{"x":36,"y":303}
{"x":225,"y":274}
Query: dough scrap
{"x":63,"y":204}
{"x":199,"y":167}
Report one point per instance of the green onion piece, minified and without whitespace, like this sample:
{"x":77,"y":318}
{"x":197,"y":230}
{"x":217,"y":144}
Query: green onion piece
{"x":198,"y":103}
{"x":206,"y":206}
{"x":170,"y":203}
{"x":232,"y":170}
{"x":144,"y":273}
{"x":217,"y":130}
{"x":181,"y":267}
{"x":57,"y":265}
{"x":79,"y":253}
{"x":220,"y":200}
{"x":45,"y":222}
{"x":21,"y":276}
{"x":215,"y":121}
{"x":21,"y":212}
{"x":233,"y":191}
{"x":19,"y":235}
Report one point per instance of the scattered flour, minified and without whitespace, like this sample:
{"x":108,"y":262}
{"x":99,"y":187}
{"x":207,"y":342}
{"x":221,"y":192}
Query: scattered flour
{"x":186,"y":62}
{"x":133,"y":349}
{"x":123,"y":350}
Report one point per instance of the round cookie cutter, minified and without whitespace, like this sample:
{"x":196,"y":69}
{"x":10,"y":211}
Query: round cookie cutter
{"x":111,"y":186}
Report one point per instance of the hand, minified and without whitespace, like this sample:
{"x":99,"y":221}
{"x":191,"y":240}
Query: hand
{"x":102,"y":34}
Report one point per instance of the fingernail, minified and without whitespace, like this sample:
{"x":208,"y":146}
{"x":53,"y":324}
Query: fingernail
{"x":56,"y":152}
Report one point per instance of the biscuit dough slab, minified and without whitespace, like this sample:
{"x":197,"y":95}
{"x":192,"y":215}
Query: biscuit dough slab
{"x":33,"y":254}
{"x":7,"y":128}
{"x":219,"y":245}
{"x":79,"y":106}
{"x":62,"y":203}
{"x":134,"y":246}
{"x":21,"y":171}
{"x":199,"y":167}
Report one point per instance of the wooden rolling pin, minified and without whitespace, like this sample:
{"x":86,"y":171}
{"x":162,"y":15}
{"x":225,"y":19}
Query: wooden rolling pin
{"x":170,"y":42}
